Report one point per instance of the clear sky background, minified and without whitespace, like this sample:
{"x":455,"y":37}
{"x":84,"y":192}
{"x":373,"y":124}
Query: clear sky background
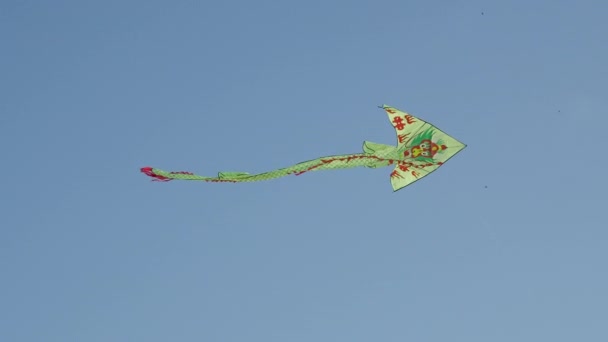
{"x":91,"y":250}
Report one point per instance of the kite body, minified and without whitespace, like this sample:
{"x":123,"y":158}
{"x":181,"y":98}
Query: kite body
{"x":421,"y":149}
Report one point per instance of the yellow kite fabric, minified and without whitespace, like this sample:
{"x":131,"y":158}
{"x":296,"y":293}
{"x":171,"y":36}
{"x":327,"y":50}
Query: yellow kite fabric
{"x":421,"y":149}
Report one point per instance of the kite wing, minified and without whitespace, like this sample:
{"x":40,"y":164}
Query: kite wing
{"x":423,"y":146}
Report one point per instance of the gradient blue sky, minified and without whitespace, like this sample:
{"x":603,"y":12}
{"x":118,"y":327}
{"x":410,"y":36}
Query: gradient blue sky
{"x":91,"y":250}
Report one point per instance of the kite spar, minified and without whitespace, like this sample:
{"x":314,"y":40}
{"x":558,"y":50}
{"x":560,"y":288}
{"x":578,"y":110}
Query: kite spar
{"x":421,"y":149}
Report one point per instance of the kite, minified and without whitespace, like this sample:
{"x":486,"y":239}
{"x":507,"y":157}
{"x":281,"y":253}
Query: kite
{"x":421,"y":149}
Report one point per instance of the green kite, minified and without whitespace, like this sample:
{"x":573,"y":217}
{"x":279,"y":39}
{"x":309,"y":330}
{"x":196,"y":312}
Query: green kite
{"x":421,"y":149}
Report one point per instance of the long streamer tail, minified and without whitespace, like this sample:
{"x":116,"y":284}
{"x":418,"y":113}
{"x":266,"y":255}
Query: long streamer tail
{"x":325,"y":163}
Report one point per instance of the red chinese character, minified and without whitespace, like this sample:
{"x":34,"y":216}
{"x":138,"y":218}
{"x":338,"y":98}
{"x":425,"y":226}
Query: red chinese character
{"x":396,"y":174}
{"x":403,"y":137}
{"x":398,"y":121}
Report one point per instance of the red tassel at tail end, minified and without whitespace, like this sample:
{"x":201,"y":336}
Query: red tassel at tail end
{"x":157,"y":178}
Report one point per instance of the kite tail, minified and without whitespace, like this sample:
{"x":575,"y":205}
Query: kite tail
{"x":325,"y":163}
{"x":164,"y":176}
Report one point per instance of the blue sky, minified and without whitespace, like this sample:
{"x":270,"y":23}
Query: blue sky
{"x":91,"y":250}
